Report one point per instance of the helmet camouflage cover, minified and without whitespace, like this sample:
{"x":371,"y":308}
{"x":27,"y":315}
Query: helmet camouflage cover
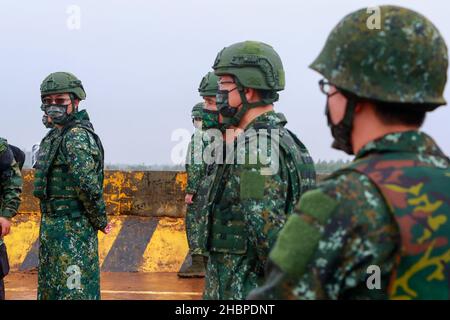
{"x":197,"y":110}
{"x":255,"y":64}
{"x":209,"y":85}
{"x":63,"y":82}
{"x":405,"y":60}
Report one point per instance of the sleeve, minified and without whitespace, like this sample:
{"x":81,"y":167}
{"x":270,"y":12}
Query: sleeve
{"x":11,"y":186}
{"x":326,"y":247}
{"x":195,"y":167}
{"x":83,"y":156}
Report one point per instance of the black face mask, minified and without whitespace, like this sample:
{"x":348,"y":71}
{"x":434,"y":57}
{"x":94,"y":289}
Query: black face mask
{"x":223,"y":105}
{"x":231,"y":116}
{"x":342,"y":131}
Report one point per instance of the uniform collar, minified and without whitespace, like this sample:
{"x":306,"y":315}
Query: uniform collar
{"x":413,"y":141}
{"x":276,"y":119}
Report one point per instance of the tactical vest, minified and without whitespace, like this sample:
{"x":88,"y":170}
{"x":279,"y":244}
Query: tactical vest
{"x":418,"y":195}
{"x":53,"y":185}
{"x":228,"y":228}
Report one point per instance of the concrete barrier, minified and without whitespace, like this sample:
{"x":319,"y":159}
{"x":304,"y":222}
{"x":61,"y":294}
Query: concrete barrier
{"x":135,"y":193}
{"x":146,"y":209}
{"x":136,"y":244}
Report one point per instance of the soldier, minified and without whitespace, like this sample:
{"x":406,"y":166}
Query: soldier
{"x":195,"y":168}
{"x":196,"y":218}
{"x":69,"y":185}
{"x":250,"y":199}
{"x":10,"y":190}
{"x":379,"y":227}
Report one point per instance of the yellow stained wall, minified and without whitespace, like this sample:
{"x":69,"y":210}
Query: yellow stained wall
{"x":167,"y":248}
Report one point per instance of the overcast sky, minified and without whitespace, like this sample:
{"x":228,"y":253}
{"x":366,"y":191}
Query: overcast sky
{"x":141,"y":63}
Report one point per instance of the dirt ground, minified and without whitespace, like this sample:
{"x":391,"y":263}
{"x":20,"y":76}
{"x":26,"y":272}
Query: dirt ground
{"x":118,"y":286}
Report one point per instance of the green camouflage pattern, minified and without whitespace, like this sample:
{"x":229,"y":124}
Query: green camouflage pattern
{"x":10,"y":187}
{"x":404,"y":61}
{"x":209,"y":85}
{"x":255,"y":64}
{"x":325,"y":251}
{"x":3,"y":145}
{"x":68,"y":253}
{"x":246,"y":209}
{"x":196,"y":170}
{"x":197,"y":110}
{"x":415,"y":188}
{"x":195,"y":166}
{"x":63,"y":82}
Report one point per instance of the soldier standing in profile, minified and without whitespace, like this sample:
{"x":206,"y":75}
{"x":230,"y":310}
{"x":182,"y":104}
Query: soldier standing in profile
{"x":255,"y":189}
{"x":196,"y":216}
{"x":195,"y":169}
{"x":378,"y":228}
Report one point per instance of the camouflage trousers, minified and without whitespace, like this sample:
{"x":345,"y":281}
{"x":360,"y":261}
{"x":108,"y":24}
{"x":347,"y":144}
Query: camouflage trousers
{"x":231,"y":276}
{"x":196,"y":227}
{"x":68,"y":259}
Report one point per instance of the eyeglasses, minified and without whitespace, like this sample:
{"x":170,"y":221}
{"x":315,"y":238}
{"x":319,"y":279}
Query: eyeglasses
{"x":59,"y":101}
{"x":325,"y":87}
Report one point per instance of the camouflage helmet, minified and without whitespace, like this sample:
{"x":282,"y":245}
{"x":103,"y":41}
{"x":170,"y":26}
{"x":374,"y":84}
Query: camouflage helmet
{"x":197,"y":110}
{"x":255,"y":64}
{"x":209,"y":86}
{"x":404,"y":61}
{"x":62,"y":82}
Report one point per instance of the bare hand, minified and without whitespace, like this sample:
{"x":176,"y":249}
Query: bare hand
{"x":107,"y":229}
{"x":5,"y":226}
{"x":188,"y":198}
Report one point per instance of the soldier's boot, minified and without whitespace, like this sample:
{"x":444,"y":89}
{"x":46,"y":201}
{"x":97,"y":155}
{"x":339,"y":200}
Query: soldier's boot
{"x":196,"y":269}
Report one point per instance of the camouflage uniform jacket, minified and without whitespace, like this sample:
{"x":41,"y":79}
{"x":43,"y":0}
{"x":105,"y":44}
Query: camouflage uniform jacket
{"x":69,"y":183}
{"x":197,"y":184}
{"x":343,"y":233}
{"x":195,"y":166}
{"x":249,"y":203}
{"x":10,"y":186}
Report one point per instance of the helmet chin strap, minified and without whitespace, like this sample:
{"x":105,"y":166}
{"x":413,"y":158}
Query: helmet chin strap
{"x":234,"y":121}
{"x":74,"y":106}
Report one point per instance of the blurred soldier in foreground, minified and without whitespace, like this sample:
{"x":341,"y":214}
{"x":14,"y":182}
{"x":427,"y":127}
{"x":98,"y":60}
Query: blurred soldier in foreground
{"x":11,"y":162}
{"x":267,"y":170}
{"x":69,"y":185}
{"x":380,"y":227}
